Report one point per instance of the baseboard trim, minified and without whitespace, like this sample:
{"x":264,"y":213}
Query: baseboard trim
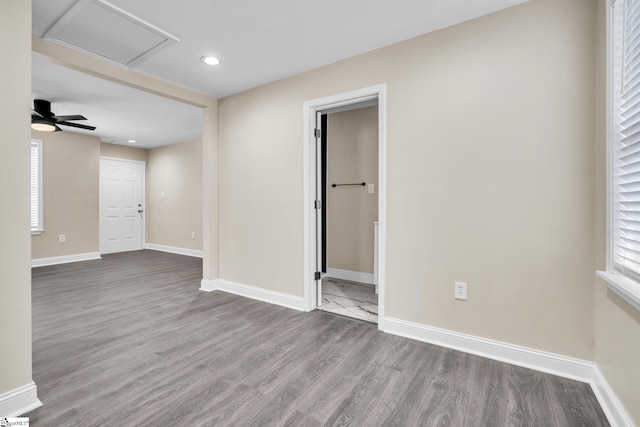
{"x":611,"y":405}
{"x":352,"y":276}
{"x":41,"y":262}
{"x":19,"y":401}
{"x":174,"y":250}
{"x":209,"y":285}
{"x":264,"y":295}
{"x":563,"y":366}
{"x":551,"y":363}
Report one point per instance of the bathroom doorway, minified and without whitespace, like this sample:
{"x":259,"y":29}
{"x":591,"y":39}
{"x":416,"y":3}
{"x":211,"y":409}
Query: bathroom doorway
{"x":349,"y":214}
{"x":345,"y":215}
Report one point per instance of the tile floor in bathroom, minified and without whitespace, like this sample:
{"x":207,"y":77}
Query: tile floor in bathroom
{"x":352,"y":299}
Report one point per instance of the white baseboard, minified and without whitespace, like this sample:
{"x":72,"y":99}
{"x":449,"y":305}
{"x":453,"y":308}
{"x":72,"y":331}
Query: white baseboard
{"x":174,"y":250}
{"x":551,"y":363}
{"x":272,"y":297}
{"x":209,"y":285}
{"x":352,"y":276}
{"x":563,"y":366}
{"x":41,"y":262}
{"x":19,"y":401}
{"x":611,"y":405}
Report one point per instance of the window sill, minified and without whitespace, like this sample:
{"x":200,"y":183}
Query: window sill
{"x":624,"y":287}
{"x":34,"y":232}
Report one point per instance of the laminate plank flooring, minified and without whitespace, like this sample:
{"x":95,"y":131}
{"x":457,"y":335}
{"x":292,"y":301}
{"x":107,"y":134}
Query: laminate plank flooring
{"x":129,"y":340}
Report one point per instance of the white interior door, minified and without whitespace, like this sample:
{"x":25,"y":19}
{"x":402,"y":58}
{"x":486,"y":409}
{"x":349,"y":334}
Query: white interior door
{"x":121,"y":205}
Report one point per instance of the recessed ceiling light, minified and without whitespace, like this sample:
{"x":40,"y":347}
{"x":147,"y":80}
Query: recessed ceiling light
{"x":211,"y":60}
{"x":132,"y":141}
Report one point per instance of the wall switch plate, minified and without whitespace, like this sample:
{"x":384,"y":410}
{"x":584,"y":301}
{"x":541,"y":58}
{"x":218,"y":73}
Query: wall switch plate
{"x":460,"y":291}
{"x":193,"y":235}
{"x":372,"y":188}
{"x":62,"y":238}
{"x":162,"y":194}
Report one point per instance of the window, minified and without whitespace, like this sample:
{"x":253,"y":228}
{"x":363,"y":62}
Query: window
{"x":36,"y":187}
{"x":623,"y":150}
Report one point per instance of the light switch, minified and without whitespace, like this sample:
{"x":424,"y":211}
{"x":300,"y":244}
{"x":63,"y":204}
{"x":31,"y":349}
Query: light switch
{"x":162,"y":194}
{"x":372,"y":188}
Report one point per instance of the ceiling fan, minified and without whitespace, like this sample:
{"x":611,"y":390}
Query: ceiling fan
{"x":43,"y":119}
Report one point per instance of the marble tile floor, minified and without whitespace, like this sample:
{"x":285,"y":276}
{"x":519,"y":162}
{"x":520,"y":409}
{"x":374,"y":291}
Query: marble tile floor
{"x":351,"y":299}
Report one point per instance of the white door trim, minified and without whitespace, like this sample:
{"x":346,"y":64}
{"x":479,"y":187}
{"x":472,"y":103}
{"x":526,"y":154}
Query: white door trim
{"x":309,"y":160}
{"x":144,"y":196}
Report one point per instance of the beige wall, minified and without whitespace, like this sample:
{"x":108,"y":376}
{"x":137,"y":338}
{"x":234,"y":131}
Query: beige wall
{"x":176,"y":171}
{"x":490,"y":158}
{"x":618,"y":347}
{"x":15,"y":272}
{"x":490,"y":117}
{"x":96,"y":67}
{"x":123,"y":152}
{"x":71,"y":168}
{"x":352,"y":156}
{"x":617,"y":324}
{"x":70,"y":194}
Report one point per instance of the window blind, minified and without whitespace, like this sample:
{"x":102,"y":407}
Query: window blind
{"x":36,"y":186}
{"x":627,"y":153}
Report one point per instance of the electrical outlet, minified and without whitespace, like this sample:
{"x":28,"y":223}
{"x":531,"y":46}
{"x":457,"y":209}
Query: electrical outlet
{"x":62,"y":238}
{"x":460,"y":291}
{"x":372,"y":188}
{"x":193,"y":235}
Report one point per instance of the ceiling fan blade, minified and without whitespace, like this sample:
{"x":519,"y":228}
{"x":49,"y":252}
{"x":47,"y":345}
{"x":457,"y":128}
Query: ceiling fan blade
{"x":57,"y":129}
{"x":75,"y":125}
{"x":35,"y":113}
{"x":75,"y":117}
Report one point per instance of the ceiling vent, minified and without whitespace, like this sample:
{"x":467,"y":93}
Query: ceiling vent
{"x":103,"y":30}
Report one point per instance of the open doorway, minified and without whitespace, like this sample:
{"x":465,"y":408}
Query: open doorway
{"x":349,"y":212}
{"x":344,"y":243}
{"x":95,"y":181}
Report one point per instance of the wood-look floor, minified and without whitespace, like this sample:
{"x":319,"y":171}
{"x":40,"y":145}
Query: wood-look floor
{"x":130,"y":341}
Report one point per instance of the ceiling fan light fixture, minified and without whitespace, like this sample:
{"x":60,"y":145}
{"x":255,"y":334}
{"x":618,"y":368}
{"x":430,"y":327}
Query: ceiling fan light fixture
{"x":42,"y":126}
{"x":210,"y":60}
{"x":44,"y":120}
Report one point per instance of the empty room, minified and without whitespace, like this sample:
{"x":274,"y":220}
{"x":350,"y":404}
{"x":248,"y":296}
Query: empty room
{"x":351,"y":213}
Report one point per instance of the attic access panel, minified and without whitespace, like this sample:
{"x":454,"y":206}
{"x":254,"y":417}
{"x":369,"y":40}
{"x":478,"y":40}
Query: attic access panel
{"x":103,"y":30}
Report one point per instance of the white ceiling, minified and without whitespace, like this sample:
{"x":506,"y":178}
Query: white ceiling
{"x":257,"y":41}
{"x":120,"y":113}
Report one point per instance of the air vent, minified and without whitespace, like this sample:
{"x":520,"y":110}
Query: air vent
{"x":101,"y":29}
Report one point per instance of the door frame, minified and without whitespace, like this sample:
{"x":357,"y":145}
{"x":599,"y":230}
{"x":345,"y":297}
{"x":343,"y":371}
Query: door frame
{"x":310,"y":176}
{"x":143,"y":192}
